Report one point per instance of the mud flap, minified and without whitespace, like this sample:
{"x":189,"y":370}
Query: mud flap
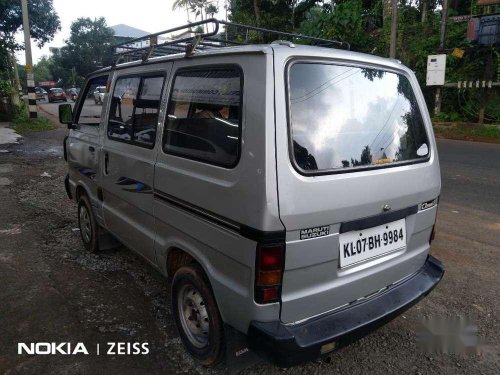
{"x":238,"y":355}
{"x":107,"y":241}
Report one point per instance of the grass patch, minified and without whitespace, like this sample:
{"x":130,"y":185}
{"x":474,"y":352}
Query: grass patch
{"x":469,"y":132}
{"x":23,"y":125}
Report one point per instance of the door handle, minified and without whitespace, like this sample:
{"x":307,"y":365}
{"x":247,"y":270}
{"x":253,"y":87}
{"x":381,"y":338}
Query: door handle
{"x":91,"y":148}
{"x":106,"y":162}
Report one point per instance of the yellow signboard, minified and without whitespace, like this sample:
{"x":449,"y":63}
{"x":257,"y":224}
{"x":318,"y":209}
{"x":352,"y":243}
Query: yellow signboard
{"x":29,"y":68}
{"x":458,"y":53}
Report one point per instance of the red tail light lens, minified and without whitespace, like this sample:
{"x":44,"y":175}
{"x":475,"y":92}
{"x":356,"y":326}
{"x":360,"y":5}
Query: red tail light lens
{"x":269,"y":272}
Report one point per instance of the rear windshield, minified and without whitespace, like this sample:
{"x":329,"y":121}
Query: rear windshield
{"x":353,"y":117}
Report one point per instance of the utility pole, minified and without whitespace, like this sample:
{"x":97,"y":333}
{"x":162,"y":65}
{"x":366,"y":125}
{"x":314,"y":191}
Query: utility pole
{"x":30,"y":79}
{"x":394,"y":29}
{"x":444,"y":24}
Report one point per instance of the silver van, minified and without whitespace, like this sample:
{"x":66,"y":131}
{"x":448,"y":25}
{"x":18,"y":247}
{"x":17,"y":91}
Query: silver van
{"x":288,"y":191}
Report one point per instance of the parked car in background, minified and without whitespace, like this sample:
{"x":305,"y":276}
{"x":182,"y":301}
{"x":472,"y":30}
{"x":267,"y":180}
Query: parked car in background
{"x":40,"y":93}
{"x":99,"y":94}
{"x":57,"y":94}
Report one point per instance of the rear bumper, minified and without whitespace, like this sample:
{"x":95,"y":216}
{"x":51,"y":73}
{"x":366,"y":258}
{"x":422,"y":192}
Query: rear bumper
{"x":288,"y":345}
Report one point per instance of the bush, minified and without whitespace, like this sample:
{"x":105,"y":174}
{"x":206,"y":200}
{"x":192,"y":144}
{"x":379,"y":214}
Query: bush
{"x":5,"y":88}
{"x":448,"y":117}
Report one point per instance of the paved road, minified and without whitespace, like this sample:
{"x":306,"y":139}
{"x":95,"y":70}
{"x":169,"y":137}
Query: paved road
{"x":53,"y":108}
{"x":470,"y":174}
{"x":51,"y":290}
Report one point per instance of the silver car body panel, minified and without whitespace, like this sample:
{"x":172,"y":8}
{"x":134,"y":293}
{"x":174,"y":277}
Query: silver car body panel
{"x":263,"y":192}
{"x":313,"y":283}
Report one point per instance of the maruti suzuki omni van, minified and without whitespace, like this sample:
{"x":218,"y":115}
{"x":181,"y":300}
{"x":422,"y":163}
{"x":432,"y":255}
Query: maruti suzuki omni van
{"x":289,"y":192}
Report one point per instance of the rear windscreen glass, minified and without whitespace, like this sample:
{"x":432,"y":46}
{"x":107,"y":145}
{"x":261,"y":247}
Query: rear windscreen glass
{"x":351,"y":117}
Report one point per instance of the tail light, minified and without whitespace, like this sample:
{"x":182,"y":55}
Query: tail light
{"x":269,"y":265}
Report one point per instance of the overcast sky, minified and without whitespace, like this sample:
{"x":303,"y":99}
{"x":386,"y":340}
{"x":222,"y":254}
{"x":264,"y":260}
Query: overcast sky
{"x":147,"y":15}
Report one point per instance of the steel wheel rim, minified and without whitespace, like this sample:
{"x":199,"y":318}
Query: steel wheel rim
{"x":85,"y":224}
{"x":193,"y":316}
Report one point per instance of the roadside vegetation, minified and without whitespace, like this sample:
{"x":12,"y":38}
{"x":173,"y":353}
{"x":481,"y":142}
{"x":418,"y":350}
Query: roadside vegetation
{"x":23,"y":124}
{"x":468,"y":132}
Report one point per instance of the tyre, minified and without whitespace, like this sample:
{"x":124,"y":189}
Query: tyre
{"x":196,"y":315}
{"x":88,"y":225}
{"x":96,"y":102}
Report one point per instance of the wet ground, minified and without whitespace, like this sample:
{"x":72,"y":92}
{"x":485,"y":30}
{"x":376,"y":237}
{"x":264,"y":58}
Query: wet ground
{"x":51,"y":290}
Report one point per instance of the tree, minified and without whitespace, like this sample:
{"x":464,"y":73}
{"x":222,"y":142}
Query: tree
{"x":42,"y":70}
{"x":44,"y":22}
{"x":178,"y":4}
{"x":88,"y":48}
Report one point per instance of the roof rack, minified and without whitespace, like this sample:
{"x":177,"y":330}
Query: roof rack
{"x":190,"y":39}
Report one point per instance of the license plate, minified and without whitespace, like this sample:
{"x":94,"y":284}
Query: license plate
{"x":359,"y":246}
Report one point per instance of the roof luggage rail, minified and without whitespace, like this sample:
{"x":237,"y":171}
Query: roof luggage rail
{"x":197,"y":36}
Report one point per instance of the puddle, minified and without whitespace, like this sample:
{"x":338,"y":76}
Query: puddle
{"x":8,"y":136}
{"x":39,"y":150}
{"x":10,"y":232}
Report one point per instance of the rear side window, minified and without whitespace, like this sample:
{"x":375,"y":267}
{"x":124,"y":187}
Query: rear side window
{"x":204,"y":116}
{"x":345,"y":117}
{"x":133,"y":115}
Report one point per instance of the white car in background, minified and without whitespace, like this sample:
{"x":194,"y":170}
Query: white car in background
{"x":99,"y":94}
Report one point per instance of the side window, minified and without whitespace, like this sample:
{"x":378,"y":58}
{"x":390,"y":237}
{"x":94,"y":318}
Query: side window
{"x":122,"y":108}
{"x":204,"y":116}
{"x":90,"y":107}
{"x":133,"y":114}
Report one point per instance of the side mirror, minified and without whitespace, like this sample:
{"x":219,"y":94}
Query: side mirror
{"x":66,"y":114}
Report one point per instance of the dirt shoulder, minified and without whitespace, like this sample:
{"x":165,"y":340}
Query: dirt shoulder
{"x":468,"y":132}
{"x":51,"y":290}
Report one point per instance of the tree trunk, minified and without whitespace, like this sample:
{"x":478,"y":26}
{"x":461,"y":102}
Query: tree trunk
{"x":394,"y":29}
{"x":425,"y":9}
{"x":256,"y":10}
{"x":387,"y":10}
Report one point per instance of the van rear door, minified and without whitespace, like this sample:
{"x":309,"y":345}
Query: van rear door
{"x":356,"y":158}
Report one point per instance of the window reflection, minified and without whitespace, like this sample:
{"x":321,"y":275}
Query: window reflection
{"x":344,"y":116}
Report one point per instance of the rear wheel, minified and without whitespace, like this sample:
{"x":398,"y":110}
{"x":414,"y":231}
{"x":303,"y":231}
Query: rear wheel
{"x":88,"y":225}
{"x":197,"y":316}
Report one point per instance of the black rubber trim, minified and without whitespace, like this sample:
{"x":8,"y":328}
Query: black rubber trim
{"x":66,"y":186}
{"x":65,"y":151}
{"x":373,"y":221}
{"x":264,"y":237}
{"x":288,"y":345}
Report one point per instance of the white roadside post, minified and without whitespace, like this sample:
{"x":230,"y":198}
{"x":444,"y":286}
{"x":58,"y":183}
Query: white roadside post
{"x":436,"y":72}
{"x":30,"y":79}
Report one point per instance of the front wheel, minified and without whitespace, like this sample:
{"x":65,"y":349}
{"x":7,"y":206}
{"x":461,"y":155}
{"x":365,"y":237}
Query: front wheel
{"x":196,"y":315}
{"x":88,"y":225}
